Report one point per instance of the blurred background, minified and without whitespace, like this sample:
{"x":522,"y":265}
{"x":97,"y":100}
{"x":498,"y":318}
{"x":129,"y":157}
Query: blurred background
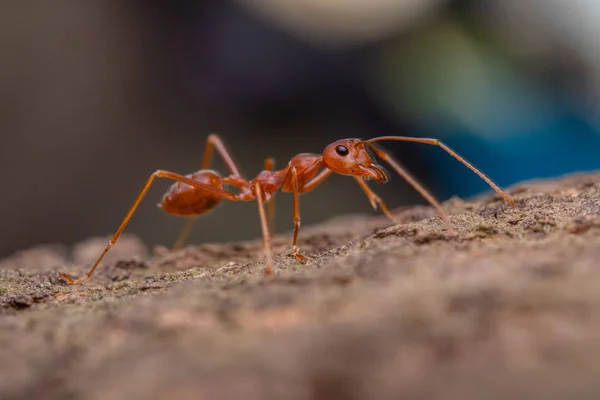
{"x":96,"y":95}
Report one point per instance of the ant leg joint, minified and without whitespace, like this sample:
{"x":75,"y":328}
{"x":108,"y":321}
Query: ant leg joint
{"x":297,"y":253}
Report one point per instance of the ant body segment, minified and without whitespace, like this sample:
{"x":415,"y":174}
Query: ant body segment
{"x":194,"y":194}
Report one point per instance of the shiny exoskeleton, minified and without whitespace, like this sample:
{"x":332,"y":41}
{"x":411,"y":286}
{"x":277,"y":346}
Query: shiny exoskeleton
{"x":195,"y":194}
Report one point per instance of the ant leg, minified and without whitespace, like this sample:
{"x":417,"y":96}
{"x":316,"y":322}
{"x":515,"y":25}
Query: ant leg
{"x":270,"y":166}
{"x":415,"y":184}
{"x":317,"y":180}
{"x":374,"y":199}
{"x":158,"y":174}
{"x":184,"y":233}
{"x":453,"y":153}
{"x":293,"y":175}
{"x":310,"y":185}
{"x":215,"y":141}
{"x":265,"y":229}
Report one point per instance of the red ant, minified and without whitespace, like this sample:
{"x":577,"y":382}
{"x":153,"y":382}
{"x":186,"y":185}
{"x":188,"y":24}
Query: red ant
{"x":195,"y":194}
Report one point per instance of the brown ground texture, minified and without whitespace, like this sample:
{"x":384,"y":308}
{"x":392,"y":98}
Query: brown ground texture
{"x":510,"y":308}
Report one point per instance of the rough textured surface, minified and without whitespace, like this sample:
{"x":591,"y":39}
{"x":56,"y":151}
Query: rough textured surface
{"x":510,"y":308}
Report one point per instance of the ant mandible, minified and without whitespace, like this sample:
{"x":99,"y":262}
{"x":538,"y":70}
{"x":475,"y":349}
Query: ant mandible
{"x":197,"y":193}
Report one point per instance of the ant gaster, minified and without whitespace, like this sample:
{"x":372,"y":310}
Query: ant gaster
{"x":197,"y":193}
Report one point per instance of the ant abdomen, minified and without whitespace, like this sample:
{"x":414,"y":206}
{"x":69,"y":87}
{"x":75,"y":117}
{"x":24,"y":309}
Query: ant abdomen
{"x":185,"y":200}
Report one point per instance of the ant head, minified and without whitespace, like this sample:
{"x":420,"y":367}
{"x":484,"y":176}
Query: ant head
{"x":353,"y":157}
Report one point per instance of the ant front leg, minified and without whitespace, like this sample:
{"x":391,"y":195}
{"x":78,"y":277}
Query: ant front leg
{"x":447,"y":149}
{"x":416,"y":185}
{"x":158,"y":174}
{"x":375,"y":200}
{"x":213,"y":141}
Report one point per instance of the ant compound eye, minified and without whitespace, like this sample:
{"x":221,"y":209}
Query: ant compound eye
{"x":342,"y":150}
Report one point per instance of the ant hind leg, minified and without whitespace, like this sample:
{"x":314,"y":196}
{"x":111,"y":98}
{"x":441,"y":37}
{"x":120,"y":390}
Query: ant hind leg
{"x":213,"y":141}
{"x":158,"y":174}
